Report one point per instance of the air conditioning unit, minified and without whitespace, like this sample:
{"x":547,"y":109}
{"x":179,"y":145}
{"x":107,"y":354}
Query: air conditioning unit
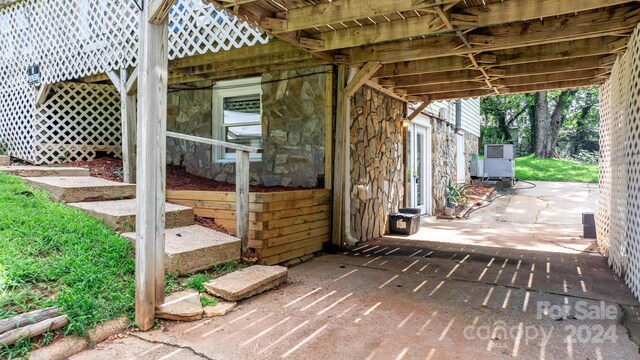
{"x":499,"y":161}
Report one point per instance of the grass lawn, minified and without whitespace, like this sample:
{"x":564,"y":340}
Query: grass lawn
{"x":533,"y":168}
{"x":52,"y":255}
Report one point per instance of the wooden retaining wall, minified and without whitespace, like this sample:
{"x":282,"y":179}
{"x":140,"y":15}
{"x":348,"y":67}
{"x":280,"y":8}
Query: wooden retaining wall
{"x":282,"y":225}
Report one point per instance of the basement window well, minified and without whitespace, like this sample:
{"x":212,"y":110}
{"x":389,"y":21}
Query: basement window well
{"x":237,"y":115}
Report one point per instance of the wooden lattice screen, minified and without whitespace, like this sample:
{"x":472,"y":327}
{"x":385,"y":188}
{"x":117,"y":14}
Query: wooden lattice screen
{"x":71,"y":39}
{"x":76,"y":121}
{"x":618,"y":216}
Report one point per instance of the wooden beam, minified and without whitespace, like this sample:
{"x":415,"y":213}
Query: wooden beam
{"x":565,"y":50}
{"x":419,"y":109}
{"x":114,"y":76}
{"x":548,"y":78}
{"x":361,"y":77}
{"x":548,"y":67}
{"x":151,"y":167}
{"x":43,"y":92}
{"x":522,"y":10}
{"x":556,"y":51}
{"x":438,"y":78}
{"x":158,"y":10}
{"x":427,"y":66}
{"x":431,"y":89}
{"x":131,"y":86}
{"x":339,"y":11}
{"x":562,"y":85}
{"x":431,"y":24}
{"x":582,"y":26}
{"x":128,"y":114}
{"x":221,"y":74}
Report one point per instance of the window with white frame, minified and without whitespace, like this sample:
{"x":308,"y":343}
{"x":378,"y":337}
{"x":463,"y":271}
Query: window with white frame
{"x":237,"y":115}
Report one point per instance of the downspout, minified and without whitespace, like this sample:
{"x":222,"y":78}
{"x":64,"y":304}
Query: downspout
{"x":458,"y":115}
{"x":349,"y":239}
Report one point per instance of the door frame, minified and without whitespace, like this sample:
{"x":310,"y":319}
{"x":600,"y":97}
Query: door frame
{"x":420,"y":122}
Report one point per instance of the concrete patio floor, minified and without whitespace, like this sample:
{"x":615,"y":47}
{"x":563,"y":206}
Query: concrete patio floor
{"x":547,"y":217}
{"x":406,"y":299}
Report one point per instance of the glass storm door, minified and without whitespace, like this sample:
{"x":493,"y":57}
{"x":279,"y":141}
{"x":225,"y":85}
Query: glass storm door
{"x":417,"y":164}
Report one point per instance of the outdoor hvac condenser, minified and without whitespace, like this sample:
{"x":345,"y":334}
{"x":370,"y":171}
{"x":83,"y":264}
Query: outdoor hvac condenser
{"x":499,"y":161}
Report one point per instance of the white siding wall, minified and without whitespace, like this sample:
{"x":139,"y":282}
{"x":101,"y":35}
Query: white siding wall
{"x":470,"y":113}
{"x":471,"y":116}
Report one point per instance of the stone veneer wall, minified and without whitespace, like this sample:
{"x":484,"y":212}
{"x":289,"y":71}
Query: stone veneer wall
{"x":189,"y":112}
{"x":377,"y":170}
{"x":294,"y":113}
{"x":294,"y":110}
{"x":444,"y":158}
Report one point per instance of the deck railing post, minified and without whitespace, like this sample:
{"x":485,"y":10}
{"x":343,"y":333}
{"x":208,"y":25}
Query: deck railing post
{"x":151,"y":165}
{"x":242,"y":199}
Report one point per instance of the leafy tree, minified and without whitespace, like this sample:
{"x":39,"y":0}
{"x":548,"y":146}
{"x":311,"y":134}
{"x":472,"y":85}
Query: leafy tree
{"x":548,"y":122}
{"x":503,"y":112}
{"x":537,"y":122}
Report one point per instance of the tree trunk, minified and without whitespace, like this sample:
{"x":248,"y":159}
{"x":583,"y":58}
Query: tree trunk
{"x":547,"y":126}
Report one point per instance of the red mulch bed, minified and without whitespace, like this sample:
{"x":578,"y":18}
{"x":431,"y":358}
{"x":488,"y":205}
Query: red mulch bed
{"x":105,"y":168}
{"x":210,"y":223}
{"x":477,"y":193}
{"x":177,"y":177}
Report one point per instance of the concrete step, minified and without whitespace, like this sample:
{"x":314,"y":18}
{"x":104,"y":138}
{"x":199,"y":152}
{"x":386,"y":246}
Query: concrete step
{"x":72,"y":189}
{"x":38,"y":171}
{"x":195,"y":248}
{"x":247,"y":282}
{"x":120,"y":215}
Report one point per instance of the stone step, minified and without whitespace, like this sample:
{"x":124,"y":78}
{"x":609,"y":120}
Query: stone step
{"x":195,"y":248}
{"x":39,"y":171}
{"x":247,"y":282}
{"x":120,"y":215}
{"x":72,"y":189}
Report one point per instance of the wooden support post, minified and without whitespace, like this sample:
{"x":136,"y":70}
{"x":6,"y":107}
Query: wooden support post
{"x":114,"y":76}
{"x":128,"y":113}
{"x":151,"y":167}
{"x":338,"y":163}
{"x":41,"y":95}
{"x":242,"y":199}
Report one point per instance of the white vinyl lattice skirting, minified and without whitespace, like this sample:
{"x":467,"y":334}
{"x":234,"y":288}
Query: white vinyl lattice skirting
{"x":76,"y":121}
{"x":71,"y":39}
{"x":618,"y":216}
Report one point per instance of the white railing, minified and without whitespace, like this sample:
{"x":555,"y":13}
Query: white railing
{"x":242,"y":181}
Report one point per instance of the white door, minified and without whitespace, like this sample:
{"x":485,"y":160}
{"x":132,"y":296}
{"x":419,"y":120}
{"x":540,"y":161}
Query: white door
{"x":419,"y":166}
{"x":460,"y":159}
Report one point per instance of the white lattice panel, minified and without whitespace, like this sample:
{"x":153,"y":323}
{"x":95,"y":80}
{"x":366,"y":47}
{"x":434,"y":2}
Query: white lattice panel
{"x":604,"y":181}
{"x":71,"y":39}
{"x":16,"y":119}
{"x":198,"y":28}
{"x":619,"y":207}
{"x":77,"y":38}
{"x":632,"y":162}
{"x":76,"y":121}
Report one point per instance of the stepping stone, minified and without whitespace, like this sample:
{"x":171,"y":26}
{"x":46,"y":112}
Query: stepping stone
{"x":221,"y":309}
{"x":194,"y":248}
{"x":181,"y":306}
{"x":71,"y":189}
{"x":247,"y":282}
{"x":120,"y":215}
{"x":38,"y":171}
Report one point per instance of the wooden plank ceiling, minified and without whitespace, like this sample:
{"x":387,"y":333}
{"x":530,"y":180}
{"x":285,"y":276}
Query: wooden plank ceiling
{"x":444,"y":49}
